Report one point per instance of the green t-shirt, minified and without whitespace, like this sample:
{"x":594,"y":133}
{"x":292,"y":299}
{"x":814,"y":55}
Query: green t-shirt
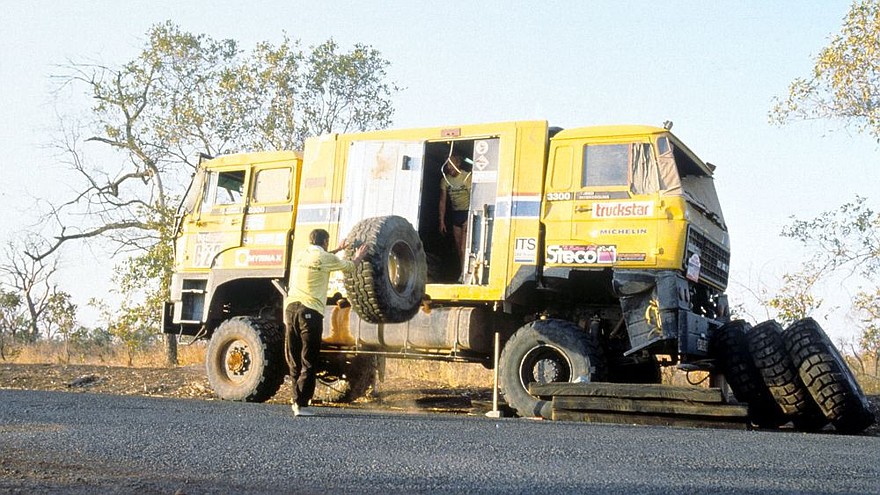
{"x":458,"y":189}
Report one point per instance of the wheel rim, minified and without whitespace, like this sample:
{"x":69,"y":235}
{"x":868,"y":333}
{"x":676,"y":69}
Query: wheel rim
{"x":544,"y":364}
{"x":236,"y":361}
{"x":401,"y":267}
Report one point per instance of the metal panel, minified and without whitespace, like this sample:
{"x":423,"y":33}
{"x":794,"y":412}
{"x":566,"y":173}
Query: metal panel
{"x":382,"y":178}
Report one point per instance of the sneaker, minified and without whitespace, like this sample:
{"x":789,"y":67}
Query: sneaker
{"x":301,"y":410}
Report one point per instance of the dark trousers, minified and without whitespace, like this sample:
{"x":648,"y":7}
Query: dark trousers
{"x":302,"y":349}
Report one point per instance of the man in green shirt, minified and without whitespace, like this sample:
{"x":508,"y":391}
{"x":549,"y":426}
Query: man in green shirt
{"x":456,"y":187}
{"x":304,"y":312}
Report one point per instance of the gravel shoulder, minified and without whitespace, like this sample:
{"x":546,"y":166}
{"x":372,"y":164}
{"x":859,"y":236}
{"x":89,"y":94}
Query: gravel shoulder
{"x":395,"y":393}
{"x":190,"y":382}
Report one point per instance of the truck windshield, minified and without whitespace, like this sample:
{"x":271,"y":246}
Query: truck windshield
{"x":683,"y":176}
{"x":192,"y":193}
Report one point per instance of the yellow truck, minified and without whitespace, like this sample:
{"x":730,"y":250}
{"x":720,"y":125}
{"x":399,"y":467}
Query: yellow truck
{"x":595,"y":253}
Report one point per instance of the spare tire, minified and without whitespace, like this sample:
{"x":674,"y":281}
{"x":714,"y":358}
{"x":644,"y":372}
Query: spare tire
{"x":827,"y":377}
{"x":781,"y":377}
{"x":388,"y":286}
{"x":731,"y":349}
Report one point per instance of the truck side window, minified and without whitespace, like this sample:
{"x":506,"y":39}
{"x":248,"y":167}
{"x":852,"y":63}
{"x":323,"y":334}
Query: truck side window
{"x":223,"y":188}
{"x":663,"y":145}
{"x":605,"y":165}
{"x":272,"y":185}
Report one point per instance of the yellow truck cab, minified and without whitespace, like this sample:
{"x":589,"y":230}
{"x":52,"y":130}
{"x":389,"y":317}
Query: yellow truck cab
{"x":595,"y":253}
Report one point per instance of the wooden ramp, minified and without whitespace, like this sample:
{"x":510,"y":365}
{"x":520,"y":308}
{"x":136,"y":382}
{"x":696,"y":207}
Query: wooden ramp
{"x":627,"y":403}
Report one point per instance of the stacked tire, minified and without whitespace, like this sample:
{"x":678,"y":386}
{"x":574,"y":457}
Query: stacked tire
{"x":827,"y":377}
{"x":730,"y":345}
{"x":779,"y":374}
{"x":793,"y":375}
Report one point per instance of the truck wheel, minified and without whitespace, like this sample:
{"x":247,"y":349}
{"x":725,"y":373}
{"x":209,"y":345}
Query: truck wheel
{"x":781,"y":377}
{"x":245,"y":360}
{"x":388,"y":286}
{"x":345,"y":380}
{"x":827,"y":377}
{"x":546,"y":351}
{"x":731,"y":349}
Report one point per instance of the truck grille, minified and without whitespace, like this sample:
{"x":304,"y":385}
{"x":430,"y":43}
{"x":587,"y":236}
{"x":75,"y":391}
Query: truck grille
{"x":714,"y":259}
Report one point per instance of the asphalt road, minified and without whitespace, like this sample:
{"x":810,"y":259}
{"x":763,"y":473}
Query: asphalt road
{"x":87,"y":443}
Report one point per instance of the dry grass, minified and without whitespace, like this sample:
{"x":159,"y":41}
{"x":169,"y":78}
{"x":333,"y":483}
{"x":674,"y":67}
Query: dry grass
{"x":115,"y":355}
{"x":443,"y":374}
{"x":439,"y":373}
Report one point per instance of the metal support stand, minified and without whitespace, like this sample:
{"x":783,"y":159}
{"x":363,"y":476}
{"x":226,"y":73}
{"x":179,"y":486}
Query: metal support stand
{"x":495,"y":413}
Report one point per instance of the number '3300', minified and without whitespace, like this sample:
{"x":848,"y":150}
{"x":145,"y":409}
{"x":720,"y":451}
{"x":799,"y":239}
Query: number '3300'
{"x":559,"y":196}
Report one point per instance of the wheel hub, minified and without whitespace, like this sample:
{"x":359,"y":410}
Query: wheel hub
{"x":238,"y":360}
{"x":545,"y":371}
{"x":545,"y":364}
{"x":401,"y":266}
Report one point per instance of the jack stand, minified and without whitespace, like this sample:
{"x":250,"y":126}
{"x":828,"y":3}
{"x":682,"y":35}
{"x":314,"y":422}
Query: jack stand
{"x":495,"y":412}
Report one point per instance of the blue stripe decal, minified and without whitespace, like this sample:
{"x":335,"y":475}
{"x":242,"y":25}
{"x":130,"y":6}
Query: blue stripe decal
{"x":518,"y":208}
{"x":527,"y":209}
{"x":322,"y":214}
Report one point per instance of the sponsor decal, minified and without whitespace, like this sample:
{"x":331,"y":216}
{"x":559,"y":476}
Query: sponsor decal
{"x":591,"y":195}
{"x":623,"y":231}
{"x":582,"y":255}
{"x":631,"y":256}
{"x":693,"y":267}
{"x":625,"y":209}
{"x":258,"y":257}
{"x":525,"y":250}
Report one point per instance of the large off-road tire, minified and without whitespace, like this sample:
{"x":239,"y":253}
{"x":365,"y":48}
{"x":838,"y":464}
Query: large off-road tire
{"x":546,"y":351}
{"x":781,"y":377}
{"x":245,"y":359}
{"x":388,"y":286}
{"x":731,"y":350}
{"x":827,"y":377}
{"x":343,"y":379}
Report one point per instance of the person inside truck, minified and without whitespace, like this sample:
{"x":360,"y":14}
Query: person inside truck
{"x":455,"y":187}
{"x":304,"y":312}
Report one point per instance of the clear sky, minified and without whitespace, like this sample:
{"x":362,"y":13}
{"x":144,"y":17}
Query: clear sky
{"x":710,"y":67}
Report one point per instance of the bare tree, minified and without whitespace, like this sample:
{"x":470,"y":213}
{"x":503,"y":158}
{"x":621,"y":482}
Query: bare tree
{"x":31,"y":280}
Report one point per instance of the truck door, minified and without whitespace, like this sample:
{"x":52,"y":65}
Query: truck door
{"x":382,"y":178}
{"x":612,"y":216}
{"x":269,"y":216}
{"x":220,"y":220}
{"x":596,"y":216}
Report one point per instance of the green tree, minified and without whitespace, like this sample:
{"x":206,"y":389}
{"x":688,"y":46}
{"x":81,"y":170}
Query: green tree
{"x":845,"y":83}
{"x":846,"y":242}
{"x":60,"y":319}
{"x":184,"y":96}
{"x":12,"y":322}
{"x":796,"y":297}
